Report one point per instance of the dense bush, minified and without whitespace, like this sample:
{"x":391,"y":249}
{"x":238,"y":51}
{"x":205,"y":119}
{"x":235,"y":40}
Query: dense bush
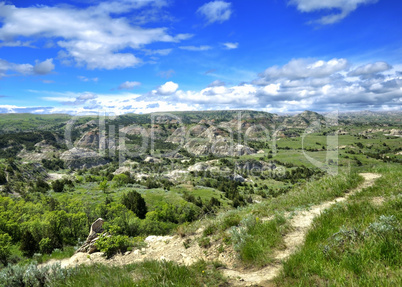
{"x":111,"y":244}
{"x":121,"y":179}
{"x":181,"y":213}
{"x":40,"y":186}
{"x":28,"y":244}
{"x":58,"y":186}
{"x":32,"y":276}
{"x":5,"y":245}
{"x":3,"y":179}
{"x":136,"y":203}
{"x":53,"y":164}
{"x":45,"y":246}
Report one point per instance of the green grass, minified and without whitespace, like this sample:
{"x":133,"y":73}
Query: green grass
{"x":91,"y":193}
{"x":145,"y":274}
{"x":295,"y":154}
{"x":255,"y":240}
{"x":326,"y":188}
{"x":357,"y":243}
{"x":57,"y":254}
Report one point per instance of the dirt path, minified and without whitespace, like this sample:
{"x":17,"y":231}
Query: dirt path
{"x":187,"y":250}
{"x":300,"y":224}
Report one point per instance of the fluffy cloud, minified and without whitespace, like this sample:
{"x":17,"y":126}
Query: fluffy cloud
{"x":216,"y":11}
{"x":110,"y":103}
{"x":231,"y":46}
{"x":219,"y":97}
{"x":166,"y":89}
{"x":43,"y":68}
{"x":304,"y":68}
{"x":370,"y":69}
{"x":196,"y":48}
{"x":300,"y":84}
{"x":345,"y":7}
{"x":40,"y":68}
{"x":304,"y":84}
{"x":80,"y":99}
{"x":127,"y":85}
{"x":90,"y":36}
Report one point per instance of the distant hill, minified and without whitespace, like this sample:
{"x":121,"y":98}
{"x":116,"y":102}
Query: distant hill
{"x":369,"y":117}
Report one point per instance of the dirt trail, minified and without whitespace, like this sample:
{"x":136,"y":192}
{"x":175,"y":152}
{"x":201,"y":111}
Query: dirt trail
{"x":187,"y":251}
{"x":300,"y":224}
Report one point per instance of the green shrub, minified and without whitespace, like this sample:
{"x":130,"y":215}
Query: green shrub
{"x":5,"y":245}
{"x":136,"y":203}
{"x":3,"y":179}
{"x":204,"y":242}
{"x":28,"y":244}
{"x":32,"y":276}
{"x":41,"y":186}
{"x":46,"y":246}
{"x":230,"y":220}
{"x":58,"y":186}
{"x":111,"y":244}
{"x":121,"y":179}
{"x":209,"y":230}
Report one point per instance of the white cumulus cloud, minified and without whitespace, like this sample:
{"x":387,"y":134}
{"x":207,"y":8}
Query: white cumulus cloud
{"x":167,"y":88}
{"x":345,"y":7}
{"x":43,"y":68}
{"x":90,"y":36}
{"x":40,"y":68}
{"x":304,"y":68}
{"x":370,"y":69}
{"x":216,"y":11}
{"x":231,"y":46}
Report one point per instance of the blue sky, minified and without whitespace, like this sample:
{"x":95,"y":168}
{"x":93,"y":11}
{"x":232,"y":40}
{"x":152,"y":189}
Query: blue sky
{"x":141,"y":56}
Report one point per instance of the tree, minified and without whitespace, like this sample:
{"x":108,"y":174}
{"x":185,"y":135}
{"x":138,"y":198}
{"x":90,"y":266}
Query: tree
{"x":121,"y":179}
{"x":5,"y":245}
{"x":41,"y":186}
{"x":151,"y":182}
{"x":3,"y":179}
{"x":28,"y":244}
{"x":136,"y":203}
{"x":58,"y":186}
{"x":103,"y":185}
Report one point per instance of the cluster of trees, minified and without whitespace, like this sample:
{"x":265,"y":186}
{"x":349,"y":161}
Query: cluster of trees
{"x":53,"y":164}
{"x":39,"y":224}
{"x":302,"y":172}
{"x":60,"y":184}
{"x":209,"y":207}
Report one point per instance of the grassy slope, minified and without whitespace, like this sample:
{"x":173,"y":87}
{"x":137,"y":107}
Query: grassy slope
{"x":358,"y":243}
{"x":146,"y":274}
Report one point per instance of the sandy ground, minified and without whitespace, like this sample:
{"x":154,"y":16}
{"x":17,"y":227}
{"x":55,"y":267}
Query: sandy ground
{"x":173,"y":248}
{"x":54,"y":176}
